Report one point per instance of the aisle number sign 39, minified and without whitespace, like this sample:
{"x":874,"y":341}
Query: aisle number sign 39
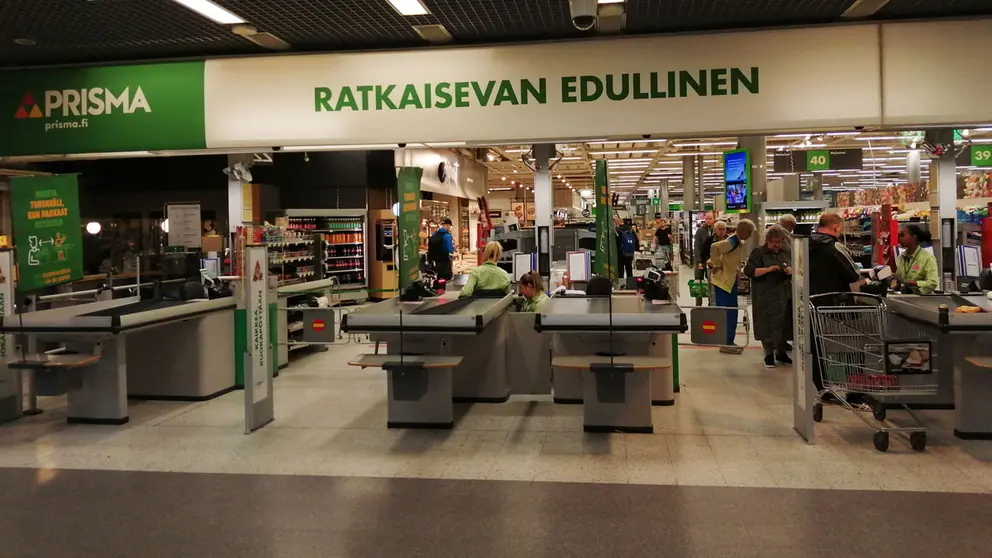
{"x":981,"y":155}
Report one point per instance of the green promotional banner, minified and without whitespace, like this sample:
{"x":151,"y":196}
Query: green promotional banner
{"x":102,"y":109}
{"x":981,"y":155}
{"x":47,"y":231}
{"x":408,"y":187}
{"x":818,"y":160}
{"x":606,"y":246}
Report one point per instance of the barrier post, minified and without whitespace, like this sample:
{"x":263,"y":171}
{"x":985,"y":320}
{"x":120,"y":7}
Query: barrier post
{"x":259,"y":407}
{"x":803,"y":389}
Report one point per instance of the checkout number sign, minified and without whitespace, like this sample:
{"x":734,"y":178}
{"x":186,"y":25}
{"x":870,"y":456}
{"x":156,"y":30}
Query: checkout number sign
{"x":981,"y":155}
{"x":818,"y":160}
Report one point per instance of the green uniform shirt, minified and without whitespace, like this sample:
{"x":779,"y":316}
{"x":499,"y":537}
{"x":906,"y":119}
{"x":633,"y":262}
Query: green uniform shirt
{"x":920,"y":266}
{"x":534,"y":304}
{"x":487,"y":276}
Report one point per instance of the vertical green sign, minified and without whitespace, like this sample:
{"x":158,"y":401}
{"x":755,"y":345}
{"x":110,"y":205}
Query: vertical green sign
{"x":408,"y":188}
{"x":981,"y":155}
{"x":606,"y":245}
{"x":47,"y":232}
{"x":818,"y":160}
{"x":102,"y":109}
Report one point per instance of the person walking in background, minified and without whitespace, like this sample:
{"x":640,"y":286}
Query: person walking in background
{"x":726,"y":258}
{"x":627,"y":246}
{"x":916,"y":269}
{"x":663,"y":239}
{"x":700,"y":242}
{"x":770,"y":269}
{"x":439,"y":250}
{"x":788,"y":222}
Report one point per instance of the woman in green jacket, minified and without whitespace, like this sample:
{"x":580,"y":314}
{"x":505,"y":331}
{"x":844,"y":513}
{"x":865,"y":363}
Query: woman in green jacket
{"x":488,"y":276}
{"x":916,"y":269}
{"x":532,"y":289}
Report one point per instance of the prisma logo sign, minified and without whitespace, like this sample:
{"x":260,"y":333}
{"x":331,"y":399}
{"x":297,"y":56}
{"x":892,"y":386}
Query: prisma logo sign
{"x":78,"y":104}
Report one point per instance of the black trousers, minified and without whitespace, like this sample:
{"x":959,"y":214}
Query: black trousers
{"x":626,"y":265}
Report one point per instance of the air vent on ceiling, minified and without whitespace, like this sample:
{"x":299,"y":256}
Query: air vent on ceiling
{"x":264,"y":40}
{"x":435,"y":33}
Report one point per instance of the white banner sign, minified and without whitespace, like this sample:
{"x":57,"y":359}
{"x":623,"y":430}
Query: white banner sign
{"x":258,"y":322}
{"x":704,"y":84}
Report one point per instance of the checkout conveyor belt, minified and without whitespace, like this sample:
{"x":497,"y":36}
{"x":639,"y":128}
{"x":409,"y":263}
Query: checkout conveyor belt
{"x":135,"y":307}
{"x":445,"y":314}
{"x":601,"y":314}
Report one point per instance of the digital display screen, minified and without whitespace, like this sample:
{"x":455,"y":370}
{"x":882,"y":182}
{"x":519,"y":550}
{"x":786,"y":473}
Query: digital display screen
{"x":736,"y":180}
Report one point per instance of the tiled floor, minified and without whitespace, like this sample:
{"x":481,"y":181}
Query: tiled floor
{"x":731,"y":426}
{"x":123,"y":514}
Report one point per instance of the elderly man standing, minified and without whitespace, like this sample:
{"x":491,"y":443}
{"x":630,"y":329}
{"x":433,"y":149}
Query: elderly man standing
{"x":700,"y":247}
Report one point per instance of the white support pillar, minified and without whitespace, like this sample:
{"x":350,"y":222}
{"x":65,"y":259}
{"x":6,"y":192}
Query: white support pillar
{"x":235,"y":197}
{"x":663,"y":194}
{"x":543,"y":208}
{"x":817,"y":183}
{"x":689,"y":184}
{"x":700,"y":183}
{"x":757,"y":148}
{"x":943,"y":178}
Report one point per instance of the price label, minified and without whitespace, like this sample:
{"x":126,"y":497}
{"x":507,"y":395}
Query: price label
{"x":981,"y":155}
{"x":817,"y":160}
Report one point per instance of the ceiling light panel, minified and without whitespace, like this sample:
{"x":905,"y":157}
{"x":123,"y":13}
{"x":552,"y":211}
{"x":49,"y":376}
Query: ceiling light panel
{"x":208,"y":9}
{"x":409,"y":7}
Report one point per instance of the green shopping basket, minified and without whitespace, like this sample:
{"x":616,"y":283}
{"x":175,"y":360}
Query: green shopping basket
{"x":699,"y":289}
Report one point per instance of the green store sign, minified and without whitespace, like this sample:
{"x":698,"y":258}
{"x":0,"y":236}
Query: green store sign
{"x":102,"y":109}
{"x":673,"y":84}
{"x":981,"y":155}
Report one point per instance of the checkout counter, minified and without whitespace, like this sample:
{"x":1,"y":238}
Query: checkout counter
{"x":961,"y":355}
{"x":113,"y":349}
{"x":613,"y":355}
{"x":439,"y":351}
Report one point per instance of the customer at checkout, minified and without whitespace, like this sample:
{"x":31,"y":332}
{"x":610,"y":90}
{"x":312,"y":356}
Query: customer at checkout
{"x":726,"y":257}
{"x":830,"y":270}
{"x":439,"y":250}
{"x":488,"y":279}
{"x":532,"y":290}
{"x":916,"y":268}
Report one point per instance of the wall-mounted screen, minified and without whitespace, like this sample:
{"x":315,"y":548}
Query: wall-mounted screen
{"x":737,"y":179}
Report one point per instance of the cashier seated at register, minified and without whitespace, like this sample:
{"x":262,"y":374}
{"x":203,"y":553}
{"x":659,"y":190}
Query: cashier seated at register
{"x":916,"y":268}
{"x":488,"y":279}
{"x":531,"y":288}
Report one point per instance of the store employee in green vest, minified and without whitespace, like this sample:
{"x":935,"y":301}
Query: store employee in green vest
{"x":488,"y":279}
{"x":916,"y":268}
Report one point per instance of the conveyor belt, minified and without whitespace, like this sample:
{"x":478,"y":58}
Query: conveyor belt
{"x":443,"y":308}
{"x":135,"y":307}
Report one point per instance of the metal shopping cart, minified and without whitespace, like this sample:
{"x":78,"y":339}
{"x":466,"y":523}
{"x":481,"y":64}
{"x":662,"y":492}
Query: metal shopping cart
{"x":860,"y":348}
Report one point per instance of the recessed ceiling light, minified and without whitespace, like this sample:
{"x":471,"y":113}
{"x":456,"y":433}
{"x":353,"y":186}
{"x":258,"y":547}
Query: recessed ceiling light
{"x":409,"y":7}
{"x":209,"y":10}
{"x":25,"y":42}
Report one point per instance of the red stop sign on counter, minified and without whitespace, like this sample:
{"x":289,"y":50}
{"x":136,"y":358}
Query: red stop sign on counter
{"x":318,"y":325}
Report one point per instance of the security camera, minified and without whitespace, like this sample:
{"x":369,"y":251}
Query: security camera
{"x":646,"y":136}
{"x":584,"y":13}
{"x":859,"y":128}
{"x":401,"y":145}
{"x":277,"y":148}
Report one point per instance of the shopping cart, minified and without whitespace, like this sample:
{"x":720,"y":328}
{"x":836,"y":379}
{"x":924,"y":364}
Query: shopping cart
{"x":860,"y":348}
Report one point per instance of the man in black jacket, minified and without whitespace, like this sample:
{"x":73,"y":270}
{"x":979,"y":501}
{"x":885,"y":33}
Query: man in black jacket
{"x":831,"y":270}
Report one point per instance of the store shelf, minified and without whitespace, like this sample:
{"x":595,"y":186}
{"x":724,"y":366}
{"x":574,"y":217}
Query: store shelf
{"x":342,"y":243}
{"x":355,"y":257}
{"x":284,"y":243}
{"x":345,"y":270}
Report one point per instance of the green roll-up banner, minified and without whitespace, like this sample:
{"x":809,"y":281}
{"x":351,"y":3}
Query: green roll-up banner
{"x":47,"y":232}
{"x":606,"y":246}
{"x":408,"y":188}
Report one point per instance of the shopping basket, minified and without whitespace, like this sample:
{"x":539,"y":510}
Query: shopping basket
{"x":860,"y":348}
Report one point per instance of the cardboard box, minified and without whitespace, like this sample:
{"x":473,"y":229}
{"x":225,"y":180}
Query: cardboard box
{"x":212,"y":244}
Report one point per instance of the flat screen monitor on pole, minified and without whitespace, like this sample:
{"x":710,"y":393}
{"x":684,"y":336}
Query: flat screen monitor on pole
{"x":737,"y":179}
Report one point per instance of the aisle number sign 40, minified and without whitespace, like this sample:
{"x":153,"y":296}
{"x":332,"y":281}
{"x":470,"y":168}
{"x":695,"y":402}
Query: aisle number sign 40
{"x":981,"y":155}
{"x":818,"y":160}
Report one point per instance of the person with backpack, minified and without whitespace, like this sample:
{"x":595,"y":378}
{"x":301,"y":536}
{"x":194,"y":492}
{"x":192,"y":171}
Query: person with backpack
{"x":439,"y":250}
{"x":726,"y":257}
{"x":627,"y":245}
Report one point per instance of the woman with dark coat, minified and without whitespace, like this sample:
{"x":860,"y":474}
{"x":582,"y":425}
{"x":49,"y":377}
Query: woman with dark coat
{"x":769,"y":267}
